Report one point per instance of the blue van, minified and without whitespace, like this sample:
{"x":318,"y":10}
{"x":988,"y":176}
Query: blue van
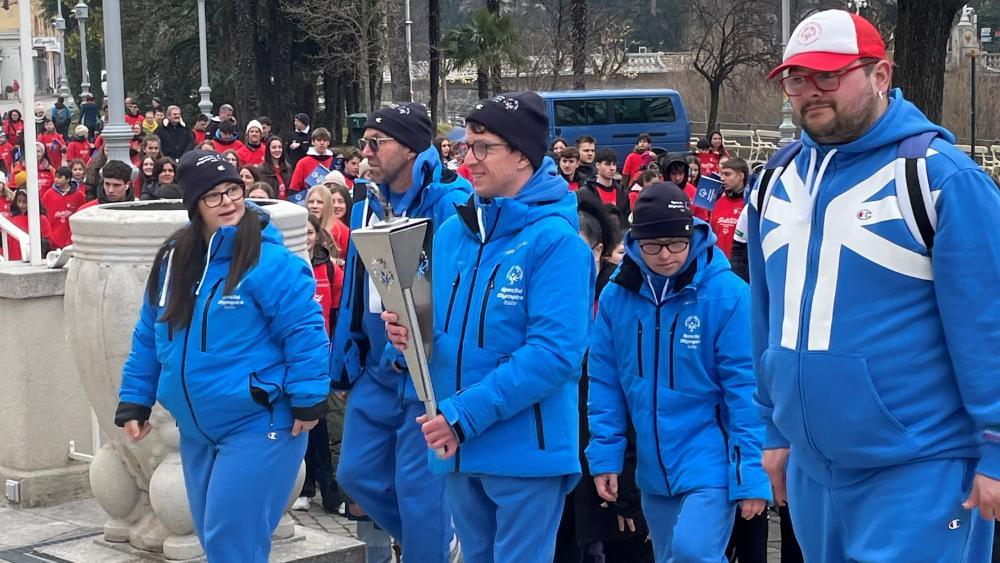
{"x":616,"y":118}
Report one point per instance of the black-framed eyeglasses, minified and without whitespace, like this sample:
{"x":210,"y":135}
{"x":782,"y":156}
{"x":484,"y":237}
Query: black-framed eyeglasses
{"x":654,"y":248}
{"x":373,"y":142}
{"x":824,"y":81}
{"x":214,"y":199}
{"x":482,"y":149}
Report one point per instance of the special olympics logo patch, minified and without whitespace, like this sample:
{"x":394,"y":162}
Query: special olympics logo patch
{"x":810,"y":33}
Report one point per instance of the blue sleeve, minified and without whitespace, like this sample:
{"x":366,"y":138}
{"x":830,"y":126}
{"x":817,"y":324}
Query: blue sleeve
{"x":141,"y":372}
{"x":966,"y":265}
{"x":345,"y":353}
{"x":556,"y":339}
{"x":759,"y":323}
{"x":607,"y":409}
{"x":747,"y":479}
{"x":296,"y":321}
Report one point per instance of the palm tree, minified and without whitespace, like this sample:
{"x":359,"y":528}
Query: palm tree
{"x":485,"y":41}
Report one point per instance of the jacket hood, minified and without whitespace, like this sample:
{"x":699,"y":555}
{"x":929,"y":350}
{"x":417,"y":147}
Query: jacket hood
{"x":313,"y":152}
{"x":218,"y":139}
{"x":546,"y":194}
{"x":320,"y":255}
{"x":426,"y":187}
{"x":222,"y":242}
{"x":900,"y":121}
{"x":702,"y":241}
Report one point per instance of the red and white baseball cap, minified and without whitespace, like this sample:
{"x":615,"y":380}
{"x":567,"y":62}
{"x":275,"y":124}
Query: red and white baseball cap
{"x":831,"y":40}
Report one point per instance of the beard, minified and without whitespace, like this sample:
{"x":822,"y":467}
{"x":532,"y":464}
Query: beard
{"x":844,"y":126}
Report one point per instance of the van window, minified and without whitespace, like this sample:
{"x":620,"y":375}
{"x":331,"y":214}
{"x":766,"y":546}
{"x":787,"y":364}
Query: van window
{"x":570,"y":113}
{"x":644,"y":110}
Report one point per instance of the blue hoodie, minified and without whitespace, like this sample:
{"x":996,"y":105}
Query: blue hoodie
{"x":674,"y":355}
{"x":512,"y":310}
{"x":269,"y":334}
{"x":360,"y":343}
{"x":869,"y":350}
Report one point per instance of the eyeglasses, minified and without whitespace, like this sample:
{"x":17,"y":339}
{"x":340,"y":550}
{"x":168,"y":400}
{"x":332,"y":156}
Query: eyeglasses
{"x":214,"y":199}
{"x":654,"y":248}
{"x":824,"y":81}
{"x":482,"y":149}
{"x":373,"y":142}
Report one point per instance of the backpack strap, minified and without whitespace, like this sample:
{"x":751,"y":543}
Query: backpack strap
{"x":913,"y":190}
{"x":774,"y":167}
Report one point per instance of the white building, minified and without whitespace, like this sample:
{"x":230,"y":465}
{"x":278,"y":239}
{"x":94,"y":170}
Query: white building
{"x":45,"y":40}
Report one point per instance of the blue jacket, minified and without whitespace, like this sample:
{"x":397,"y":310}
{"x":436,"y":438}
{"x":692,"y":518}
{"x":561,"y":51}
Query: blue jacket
{"x":268,"y":334}
{"x":512,"y":308}
{"x":674,"y":354}
{"x":360,"y":343}
{"x":869,"y":350}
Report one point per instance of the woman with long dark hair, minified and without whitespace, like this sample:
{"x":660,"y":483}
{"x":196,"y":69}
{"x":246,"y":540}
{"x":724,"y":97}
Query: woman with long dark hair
{"x":240,"y":366}
{"x":717,"y":145}
{"x":164,"y":174}
{"x":275,"y":170}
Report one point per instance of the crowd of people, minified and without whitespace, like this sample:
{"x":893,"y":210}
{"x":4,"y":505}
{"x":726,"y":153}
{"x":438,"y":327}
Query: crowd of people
{"x":630,"y":365}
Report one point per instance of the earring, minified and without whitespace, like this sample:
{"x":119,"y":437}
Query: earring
{"x":881,"y":95}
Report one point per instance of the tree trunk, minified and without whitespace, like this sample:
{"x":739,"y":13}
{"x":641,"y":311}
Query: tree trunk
{"x":361,"y":68}
{"x":922,"y":32}
{"x":331,"y":94}
{"x":434,"y":40}
{"x":714,"y":88}
{"x":578,"y":13}
{"x":246,"y":101}
{"x":399,"y":69}
{"x":483,"y":83}
{"x":495,"y":70}
{"x":444,"y":96}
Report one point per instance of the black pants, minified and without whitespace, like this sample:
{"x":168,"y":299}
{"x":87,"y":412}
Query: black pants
{"x":748,"y":544}
{"x":790,"y":550}
{"x":319,"y":468}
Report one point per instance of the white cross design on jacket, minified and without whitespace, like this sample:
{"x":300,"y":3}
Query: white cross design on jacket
{"x":842,"y":229}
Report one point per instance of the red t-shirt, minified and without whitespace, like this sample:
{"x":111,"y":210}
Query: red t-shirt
{"x":341,"y":234}
{"x":328,"y":290}
{"x":21,"y":222}
{"x":724,"y":217}
{"x":59,"y":207}
{"x":634,"y":163}
{"x":78,"y":150}
{"x":251,"y":156}
{"x":7,"y":156}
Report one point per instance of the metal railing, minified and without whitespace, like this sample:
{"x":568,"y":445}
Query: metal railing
{"x":7,"y":230}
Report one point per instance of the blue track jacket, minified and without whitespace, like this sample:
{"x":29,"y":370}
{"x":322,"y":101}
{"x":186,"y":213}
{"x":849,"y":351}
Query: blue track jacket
{"x":268,"y":334}
{"x":512,"y":308}
{"x":869,"y":350}
{"x":360,"y":343}
{"x":674,"y":354}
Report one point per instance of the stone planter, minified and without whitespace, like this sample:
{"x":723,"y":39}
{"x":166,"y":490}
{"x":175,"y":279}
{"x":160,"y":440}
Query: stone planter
{"x":140,"y":486}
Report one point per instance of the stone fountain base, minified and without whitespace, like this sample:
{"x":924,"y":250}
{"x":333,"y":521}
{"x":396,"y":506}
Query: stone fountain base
{"x":307,"y":545}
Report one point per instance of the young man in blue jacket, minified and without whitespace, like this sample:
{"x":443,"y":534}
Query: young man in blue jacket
{"x":875,"y":342}
{"x":670,"y":349}
{"x":512,"y":308}
{"x":383,"y":461}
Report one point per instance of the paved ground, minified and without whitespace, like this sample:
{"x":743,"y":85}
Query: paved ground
{"x":24,"y":531}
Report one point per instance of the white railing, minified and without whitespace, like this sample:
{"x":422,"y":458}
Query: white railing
{"x":7,"y":230}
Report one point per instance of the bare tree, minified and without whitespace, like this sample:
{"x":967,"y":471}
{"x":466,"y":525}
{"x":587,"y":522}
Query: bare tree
{"x":611,"y":48}
{"x":434,"y":44}
{"x":730,"y":35}
{"x":346,"y":36}
{"x":578,"y":14}
{"x":399,"y":63}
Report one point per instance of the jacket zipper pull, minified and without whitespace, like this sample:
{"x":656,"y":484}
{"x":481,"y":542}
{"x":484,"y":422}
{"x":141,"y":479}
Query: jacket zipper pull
{"x":272,"y":435}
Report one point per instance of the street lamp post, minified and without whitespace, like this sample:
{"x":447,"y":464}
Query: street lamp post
{"x":787,"y":127}
{"x":60,"y":24}
{"x":82,"y":15}
{"x":205,"y":103}
{"x":116,"y":132}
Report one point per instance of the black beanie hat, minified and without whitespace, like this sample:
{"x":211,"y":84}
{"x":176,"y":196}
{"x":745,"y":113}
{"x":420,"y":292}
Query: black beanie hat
{"x":518,"y":118}
{"x":303,"y":117}
{"x":662,"y":211}
{"x":408,"y":123}
{"x":199,"y":171}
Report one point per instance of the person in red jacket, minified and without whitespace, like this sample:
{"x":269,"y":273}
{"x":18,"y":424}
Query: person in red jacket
{"x":352,"y":166}
{"x":60,"y":202}
{"x":46,"y":173}
{"x":329,"y":275}
{"x":730,"y":204}
{"x":6,"y":196}
{"x":14,"y":127}
{"x":318,"y":155}
{"x":19,"y":217}
{"x":226,"y":139}
{"x":6,"y":154}
{"x":55,"y":146}
{"x":79,"y":148}
{"x":638,"y":160}
{"x":253,"y":150}
{"x":199,"y":129}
